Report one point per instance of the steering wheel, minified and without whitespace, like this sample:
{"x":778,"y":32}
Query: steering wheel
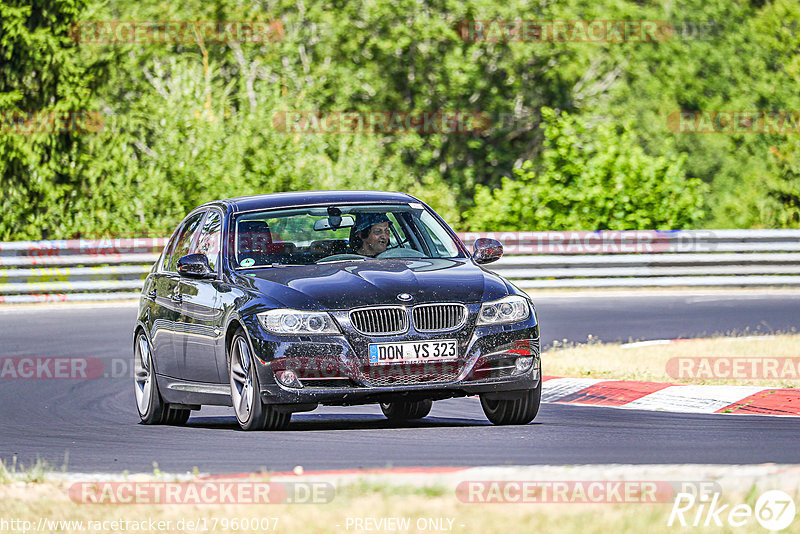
{"x":400,"y":253}
{"x":398,"y":245}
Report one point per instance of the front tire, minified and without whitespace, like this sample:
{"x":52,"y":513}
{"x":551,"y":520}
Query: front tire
{"x":405,"y":410}
{"x":518,"y":411}
{"x":251,"y":413}
{"x":151,"y":407}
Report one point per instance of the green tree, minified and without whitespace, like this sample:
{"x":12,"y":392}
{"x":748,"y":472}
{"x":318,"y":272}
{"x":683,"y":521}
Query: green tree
{"x":782,"y":200}
{"x":41,"y":174}
{"x":185,"y":122}
{"x":591,"y":178}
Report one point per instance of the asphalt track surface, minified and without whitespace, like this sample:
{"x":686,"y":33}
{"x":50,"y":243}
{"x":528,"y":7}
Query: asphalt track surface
{"x":94,"y":425}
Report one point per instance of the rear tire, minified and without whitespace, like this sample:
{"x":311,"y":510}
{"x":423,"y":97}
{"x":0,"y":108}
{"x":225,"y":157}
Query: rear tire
{"x":177,"y":416}
{"x":251,"y":413}
{"x":405,"y":410}
{"x":519,"y":411}
{"x":151,"y":407}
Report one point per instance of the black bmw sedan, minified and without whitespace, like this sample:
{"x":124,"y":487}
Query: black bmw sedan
{"x":275,"y":304}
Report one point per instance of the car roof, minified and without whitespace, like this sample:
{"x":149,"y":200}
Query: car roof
{"x":301,"y":198}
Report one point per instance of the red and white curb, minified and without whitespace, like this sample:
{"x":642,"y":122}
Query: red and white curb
{"x":656,"y":396}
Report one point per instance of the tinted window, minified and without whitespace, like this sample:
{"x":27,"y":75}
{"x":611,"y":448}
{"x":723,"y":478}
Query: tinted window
{"x":184,"y":242}
{"x":210,"y":239}
{"x":303,"y":236}
{"x":439,"y":238}
{"x":168,"y":251}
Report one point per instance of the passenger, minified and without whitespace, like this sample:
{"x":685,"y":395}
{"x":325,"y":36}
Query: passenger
{"x":370,"y":234}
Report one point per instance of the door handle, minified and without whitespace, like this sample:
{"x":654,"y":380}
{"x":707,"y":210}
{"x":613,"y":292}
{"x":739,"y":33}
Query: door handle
{"x":176,"y":297}
{"x":152,"y":294}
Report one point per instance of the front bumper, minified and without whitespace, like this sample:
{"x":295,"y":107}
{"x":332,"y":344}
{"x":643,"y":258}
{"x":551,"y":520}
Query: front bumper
{"x":335,"y":370}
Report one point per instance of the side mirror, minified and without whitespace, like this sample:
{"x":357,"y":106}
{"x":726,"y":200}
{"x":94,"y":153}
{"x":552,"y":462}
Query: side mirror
{"x":195,"y":266}
{"x":486,"y":250}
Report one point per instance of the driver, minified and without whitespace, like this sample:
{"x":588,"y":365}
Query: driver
{"x":370,"y":234}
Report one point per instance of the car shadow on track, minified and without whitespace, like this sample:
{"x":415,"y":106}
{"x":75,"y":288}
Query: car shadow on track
{"x":310,"y":423}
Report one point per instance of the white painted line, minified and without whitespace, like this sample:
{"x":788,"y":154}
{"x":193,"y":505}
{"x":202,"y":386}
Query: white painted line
{"x":693,"y":399}
{"x":652,"y":342}
{"x":736,"y":414}
{"x":649,"y":343}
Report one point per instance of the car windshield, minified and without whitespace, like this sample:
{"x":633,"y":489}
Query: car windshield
{"x":305,"y":236}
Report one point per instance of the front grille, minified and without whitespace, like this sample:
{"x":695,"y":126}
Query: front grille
{"x":417,"y":373}
{"x":380,"y":321}
{"x":439,"y":317}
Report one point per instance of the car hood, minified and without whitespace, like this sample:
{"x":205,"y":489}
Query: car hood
{"x":350,"y":284}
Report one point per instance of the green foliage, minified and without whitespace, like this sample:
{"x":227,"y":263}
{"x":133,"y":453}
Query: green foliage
{"x":591,"y":178}
{"x":783,"y":186}
{"x":196,"y":138}
{"x":188,"y":122}
{"x":726,"y":56}
{"x":39,"y":73}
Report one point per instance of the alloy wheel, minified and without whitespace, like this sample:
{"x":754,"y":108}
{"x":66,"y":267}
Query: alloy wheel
{"x":242,"y":393}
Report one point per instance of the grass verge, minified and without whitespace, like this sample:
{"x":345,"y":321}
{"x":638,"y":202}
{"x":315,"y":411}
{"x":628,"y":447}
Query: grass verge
{"x":359,"y":509}
{"x":613,"y":361}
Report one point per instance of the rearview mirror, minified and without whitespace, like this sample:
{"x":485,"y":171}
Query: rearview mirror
{"x":331,"y":223}
{"x":487,"y":250}
{"x":195,"y":266}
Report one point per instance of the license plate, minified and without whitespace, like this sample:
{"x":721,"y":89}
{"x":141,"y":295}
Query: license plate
{"x":417,"y":351}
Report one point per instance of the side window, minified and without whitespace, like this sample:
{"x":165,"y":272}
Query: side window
{"x":434,"y":234}
{"x":398,"y":231}
{"x":168,"y":251}
{"x":211,"y":239}
{"x":184,"y":242}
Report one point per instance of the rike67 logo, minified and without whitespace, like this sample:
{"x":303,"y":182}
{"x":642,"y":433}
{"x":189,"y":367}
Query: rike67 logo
{"x":774,"y":510}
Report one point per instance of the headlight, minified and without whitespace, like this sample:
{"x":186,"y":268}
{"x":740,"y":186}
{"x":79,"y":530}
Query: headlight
{"x":286,"y":321}
{"x":506,"y":310}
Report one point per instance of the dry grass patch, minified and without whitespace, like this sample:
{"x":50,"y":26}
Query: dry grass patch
{"x":415,"y":506}
{"x":613,"y":361}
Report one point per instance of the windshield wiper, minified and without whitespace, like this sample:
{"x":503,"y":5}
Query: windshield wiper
{"x":339,"y":260}
{"x":267,"y":266}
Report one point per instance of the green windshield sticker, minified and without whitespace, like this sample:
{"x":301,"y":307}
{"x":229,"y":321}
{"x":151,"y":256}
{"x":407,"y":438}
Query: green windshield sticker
{"x":247,"y":262}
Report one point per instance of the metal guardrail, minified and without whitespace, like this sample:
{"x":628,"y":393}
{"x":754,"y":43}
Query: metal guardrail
{"x":648,"y":258}
{"x":75,"y":269}
{"x":48,"y":271}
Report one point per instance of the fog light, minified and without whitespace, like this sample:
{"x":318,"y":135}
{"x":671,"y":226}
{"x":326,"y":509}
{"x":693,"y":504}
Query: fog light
{"x":523,"y":364}
{"x":288,"y":378}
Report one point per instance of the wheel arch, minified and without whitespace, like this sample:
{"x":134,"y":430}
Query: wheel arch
{"x":140,"y":328}
{"x":230,"y":330}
